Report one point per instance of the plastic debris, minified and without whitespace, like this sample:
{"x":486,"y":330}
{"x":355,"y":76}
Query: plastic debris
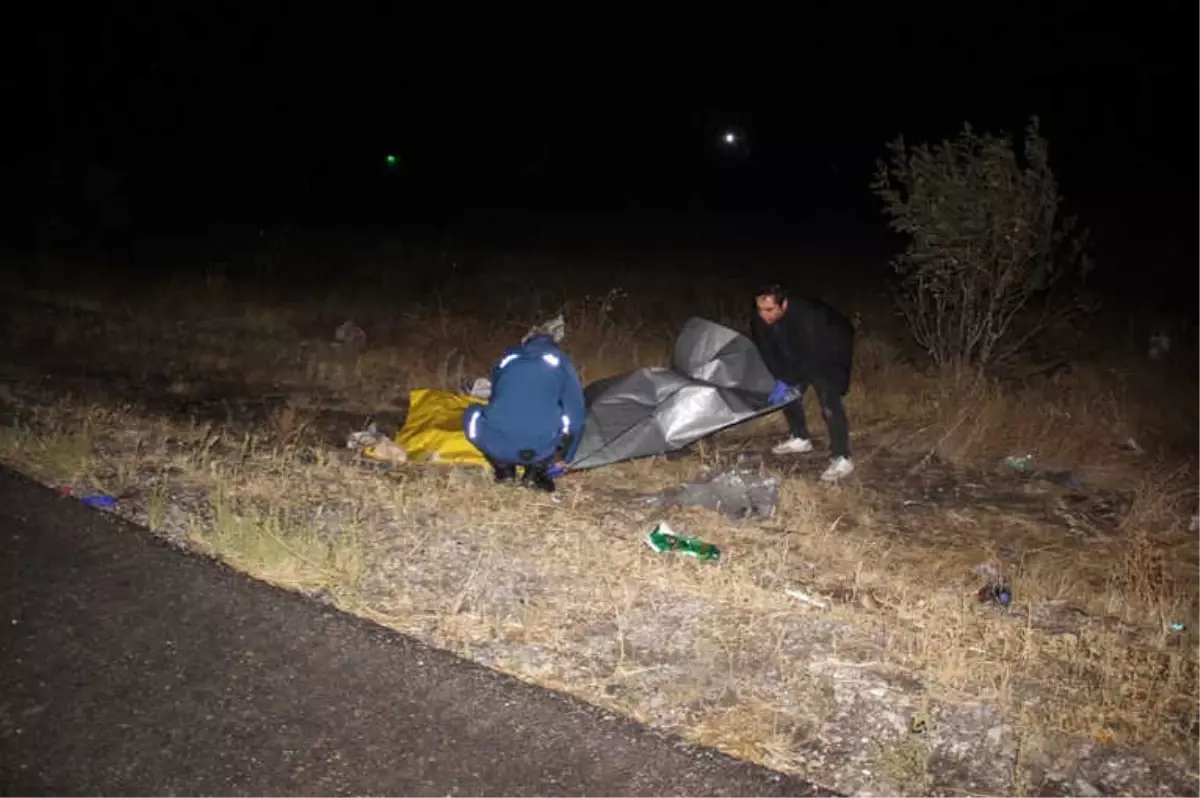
{"x":1132,"y":446}
{"x":1022,"y":462}
{"x":372,"y":444}
{"x":365,"y":437}
{"x":99,"y":500}
{"x":1160,"y":345}
{"x":996,"y":590}
{"x":349,"y":333}
{"x":556,"y":328}
{"x":386,"y":450}
{"x":663,"y":538}
{"x":1176,"y":626}
{"x":987,"y":569}
{"x":481,"y":388}
{"x":738,"y":493}
{"x":996,"y":593}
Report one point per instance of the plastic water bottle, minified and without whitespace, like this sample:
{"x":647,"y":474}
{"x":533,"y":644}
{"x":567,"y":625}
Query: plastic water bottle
{"x":663,"y":538}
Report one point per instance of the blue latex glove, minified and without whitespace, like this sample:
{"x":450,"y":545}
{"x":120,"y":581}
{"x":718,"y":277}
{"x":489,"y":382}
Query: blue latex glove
{"x":557,"y":470}
{"x":779,"y":393}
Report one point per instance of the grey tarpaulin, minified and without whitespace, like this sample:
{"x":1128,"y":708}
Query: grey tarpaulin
{"x":717,"y":379}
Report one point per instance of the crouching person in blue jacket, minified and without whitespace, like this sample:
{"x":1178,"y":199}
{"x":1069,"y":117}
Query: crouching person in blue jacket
{"x":535,"y":414}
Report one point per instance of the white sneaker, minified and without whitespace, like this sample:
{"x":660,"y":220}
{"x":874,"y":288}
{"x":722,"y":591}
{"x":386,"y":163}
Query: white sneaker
{"x":839,"y":468}
{"x":793,"y":446}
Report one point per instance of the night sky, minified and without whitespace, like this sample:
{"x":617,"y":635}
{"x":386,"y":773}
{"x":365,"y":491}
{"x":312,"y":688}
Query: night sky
{"x":228,"y":112}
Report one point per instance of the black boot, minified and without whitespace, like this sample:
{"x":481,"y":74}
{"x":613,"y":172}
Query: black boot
{"x":536,"y":476}
{"x":504,"y":473}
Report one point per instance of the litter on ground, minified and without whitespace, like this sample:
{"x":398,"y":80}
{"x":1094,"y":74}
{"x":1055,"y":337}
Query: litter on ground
{"x":737,"y":493}
{"x":663,"y":538}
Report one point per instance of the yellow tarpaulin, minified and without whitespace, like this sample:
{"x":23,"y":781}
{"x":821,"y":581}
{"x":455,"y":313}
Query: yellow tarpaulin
{"x":433,"y":430}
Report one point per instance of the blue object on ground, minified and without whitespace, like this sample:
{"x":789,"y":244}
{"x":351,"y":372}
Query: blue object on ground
{"x":997,"y":594}
{"x":99,"y":500}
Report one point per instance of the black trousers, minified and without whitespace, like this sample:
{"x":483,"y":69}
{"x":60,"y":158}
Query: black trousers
{"x":833,"y":411}
{"x":526,"y":459}
{"x":530,"y":465}
{"x":537,"y":474}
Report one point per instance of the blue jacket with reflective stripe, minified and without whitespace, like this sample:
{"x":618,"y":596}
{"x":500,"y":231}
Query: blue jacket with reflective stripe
{"x":536,"y":400}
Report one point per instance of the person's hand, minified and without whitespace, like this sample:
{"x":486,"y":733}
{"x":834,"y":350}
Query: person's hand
{"x":779,"y":393}
{"x":557,"y":470}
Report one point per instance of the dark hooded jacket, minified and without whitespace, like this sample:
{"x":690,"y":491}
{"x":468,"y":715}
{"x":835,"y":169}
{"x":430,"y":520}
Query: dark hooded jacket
{"x":536,"y":406}
{"x":811,"y":342}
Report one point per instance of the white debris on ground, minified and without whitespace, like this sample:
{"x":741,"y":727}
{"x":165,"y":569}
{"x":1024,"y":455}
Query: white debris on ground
{"x":349,"y":333}
{"x":556,"y":328}
{"x":370,"y":442}
{"x":480,"y":389}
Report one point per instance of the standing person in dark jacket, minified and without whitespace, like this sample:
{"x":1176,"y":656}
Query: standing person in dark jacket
{"x":806,"y":342}
{"x":535,"y":414}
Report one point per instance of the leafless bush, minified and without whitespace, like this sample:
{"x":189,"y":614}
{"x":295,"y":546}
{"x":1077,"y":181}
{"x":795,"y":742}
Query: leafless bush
{"x":988,"y":252}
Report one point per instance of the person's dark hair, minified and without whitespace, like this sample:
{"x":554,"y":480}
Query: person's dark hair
{"x":775,"y":291}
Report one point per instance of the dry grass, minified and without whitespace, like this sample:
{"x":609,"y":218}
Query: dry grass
{"x":563,"y":591}
{"x":281,"y":546}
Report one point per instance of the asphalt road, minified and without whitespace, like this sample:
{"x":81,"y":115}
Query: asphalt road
{"x":134,"y":668}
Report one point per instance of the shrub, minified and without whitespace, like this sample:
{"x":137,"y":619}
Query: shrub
{"x":988,"y":251}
